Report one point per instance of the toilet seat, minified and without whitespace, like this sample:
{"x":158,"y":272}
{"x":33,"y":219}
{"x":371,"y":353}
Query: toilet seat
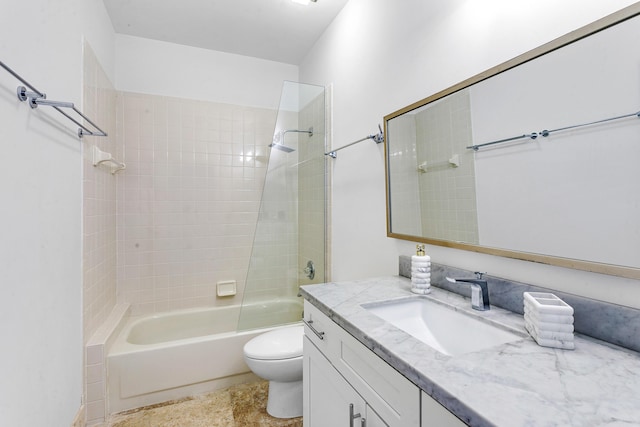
{"x":285,"y":343}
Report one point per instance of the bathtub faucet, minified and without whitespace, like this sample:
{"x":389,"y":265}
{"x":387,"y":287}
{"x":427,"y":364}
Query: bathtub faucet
{"x":479,"y":291}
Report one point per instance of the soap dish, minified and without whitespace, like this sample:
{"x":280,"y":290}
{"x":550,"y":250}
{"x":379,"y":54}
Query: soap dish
{"x":546,"y":303}
{"x":549,"y":320}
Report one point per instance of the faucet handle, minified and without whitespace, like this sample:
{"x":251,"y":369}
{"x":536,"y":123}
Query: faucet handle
{"x":479,"y":274}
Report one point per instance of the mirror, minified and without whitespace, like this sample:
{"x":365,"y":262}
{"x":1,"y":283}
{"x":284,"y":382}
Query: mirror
{"x":535,"y":159}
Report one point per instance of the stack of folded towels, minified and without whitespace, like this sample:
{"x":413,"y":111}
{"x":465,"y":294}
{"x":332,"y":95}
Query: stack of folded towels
{"x":420,"y":272}
{"x":549,"y":320}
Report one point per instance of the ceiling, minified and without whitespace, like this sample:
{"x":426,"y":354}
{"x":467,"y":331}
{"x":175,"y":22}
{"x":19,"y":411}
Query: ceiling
{"x":276,"y":30}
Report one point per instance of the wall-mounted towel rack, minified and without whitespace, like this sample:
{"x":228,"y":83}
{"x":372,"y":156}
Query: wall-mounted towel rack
{"x":454,"y":162}
{"x":35,"y":98}
{"x":547,"y":132}
{"x":100,"y":157}
{"x":377,"y":138}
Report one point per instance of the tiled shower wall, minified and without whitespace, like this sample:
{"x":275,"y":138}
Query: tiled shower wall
{"x":291,"y":229}
{"x":189,"y":200}
{"x":98,"y":231}
{"x":311,"y":191}
{"x":98,"y":201}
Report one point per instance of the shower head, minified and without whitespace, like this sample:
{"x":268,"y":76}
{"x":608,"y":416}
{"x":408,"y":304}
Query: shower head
{"x":281,"y":147}
{"x":278,"y":139}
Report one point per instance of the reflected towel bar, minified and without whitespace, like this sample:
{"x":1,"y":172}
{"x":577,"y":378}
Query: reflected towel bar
{"x":378,"y":138}
{"x":454,"y":162}
{"x":546,"y":132}
{"x":35,"y":98}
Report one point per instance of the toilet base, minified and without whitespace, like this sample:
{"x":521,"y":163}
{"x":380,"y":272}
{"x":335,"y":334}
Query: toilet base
{"x":285,"y":399}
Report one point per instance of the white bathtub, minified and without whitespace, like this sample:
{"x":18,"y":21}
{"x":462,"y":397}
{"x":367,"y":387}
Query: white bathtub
{"x":173,"y":355}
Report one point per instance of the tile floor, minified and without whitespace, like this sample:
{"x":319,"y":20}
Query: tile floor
{"x":239,"y":406}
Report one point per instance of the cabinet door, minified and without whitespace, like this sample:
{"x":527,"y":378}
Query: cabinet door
{"x":436,"y":415}
{"x":373,"y":419}
{"x":327,"y":396}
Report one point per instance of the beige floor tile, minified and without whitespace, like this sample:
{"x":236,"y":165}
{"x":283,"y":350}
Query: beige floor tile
{"x":239,"y":406}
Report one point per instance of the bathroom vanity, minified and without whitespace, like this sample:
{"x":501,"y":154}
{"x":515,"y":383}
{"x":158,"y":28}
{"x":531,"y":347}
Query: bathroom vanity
{"x":361,"y":370}
{"x":347,"y":381}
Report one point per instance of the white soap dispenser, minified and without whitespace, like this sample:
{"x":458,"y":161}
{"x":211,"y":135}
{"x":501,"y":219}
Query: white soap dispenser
{"x":420,"y":272}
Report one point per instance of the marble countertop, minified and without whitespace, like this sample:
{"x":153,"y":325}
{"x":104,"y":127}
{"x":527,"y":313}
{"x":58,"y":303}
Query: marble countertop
{"x":514,"y":384}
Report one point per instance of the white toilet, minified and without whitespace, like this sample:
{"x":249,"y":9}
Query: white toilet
{"x":277,"y":356}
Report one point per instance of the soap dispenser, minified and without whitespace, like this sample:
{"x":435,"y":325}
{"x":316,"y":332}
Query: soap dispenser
{"x":420,"y":272}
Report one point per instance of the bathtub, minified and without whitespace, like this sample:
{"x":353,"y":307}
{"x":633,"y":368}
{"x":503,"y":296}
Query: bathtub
{"x":177,"y":354}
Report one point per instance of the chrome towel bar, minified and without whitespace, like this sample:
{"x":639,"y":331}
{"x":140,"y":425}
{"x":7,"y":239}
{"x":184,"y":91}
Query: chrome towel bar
{"x":377,"y":138}
{"x":36,"y":98}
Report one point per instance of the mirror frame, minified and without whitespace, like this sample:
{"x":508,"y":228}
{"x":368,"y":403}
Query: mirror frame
{"x":586,"y":31}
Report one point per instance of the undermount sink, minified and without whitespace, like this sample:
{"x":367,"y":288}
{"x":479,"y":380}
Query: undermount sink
{"x":444,"y":329}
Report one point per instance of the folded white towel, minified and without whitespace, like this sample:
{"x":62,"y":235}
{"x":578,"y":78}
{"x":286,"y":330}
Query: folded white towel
{"x":421,"y":291}
{"x":420,"y":258}
{"x":565,"y":345}
{"x":415,"y":281}
{"x":552,"y":335}
{"x":547,"y":318}
{"x":550,"y":327}
{"x":426,"y":265}
{"x":417,"y":275}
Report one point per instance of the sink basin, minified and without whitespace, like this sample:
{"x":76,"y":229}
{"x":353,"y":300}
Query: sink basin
{"x":440,"y":327}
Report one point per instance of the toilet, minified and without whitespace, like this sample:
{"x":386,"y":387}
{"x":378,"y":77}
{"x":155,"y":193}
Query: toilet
{"x":276,"y":356}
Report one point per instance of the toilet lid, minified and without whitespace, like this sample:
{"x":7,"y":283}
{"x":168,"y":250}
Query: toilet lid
{"x":285,"y":343}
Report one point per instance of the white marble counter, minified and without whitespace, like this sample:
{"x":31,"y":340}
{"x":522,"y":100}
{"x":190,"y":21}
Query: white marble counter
{"x":511,"y":385}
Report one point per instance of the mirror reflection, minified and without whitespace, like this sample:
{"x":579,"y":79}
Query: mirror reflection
{"x":538,"y":162}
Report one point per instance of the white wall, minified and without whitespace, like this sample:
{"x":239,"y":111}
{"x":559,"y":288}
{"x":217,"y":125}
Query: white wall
{"x":142,"y":66}
{"x":381,"y":56}
{"x":40,"y":212}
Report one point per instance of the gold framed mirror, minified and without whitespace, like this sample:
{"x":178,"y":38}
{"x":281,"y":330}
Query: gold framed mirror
{"x":534,"y":159}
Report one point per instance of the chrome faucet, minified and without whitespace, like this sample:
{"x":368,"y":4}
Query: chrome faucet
{"x":479,"y":291}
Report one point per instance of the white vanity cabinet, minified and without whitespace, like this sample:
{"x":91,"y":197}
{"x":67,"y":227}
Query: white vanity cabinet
{"x":329,"y":398}
{"x":436,"y":415}
{"x":339,"y":371}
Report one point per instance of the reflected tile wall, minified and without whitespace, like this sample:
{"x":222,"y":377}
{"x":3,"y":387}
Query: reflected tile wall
{"x":189,"y":200}
{"x":448,"y":194}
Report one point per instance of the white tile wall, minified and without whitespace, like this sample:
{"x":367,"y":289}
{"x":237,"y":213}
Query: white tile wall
{"x":99,"y":200}
{"x":95,"y":367}
{"x":312,"y":192}
{"x":188,"y":202}
{"x":98,"y":234}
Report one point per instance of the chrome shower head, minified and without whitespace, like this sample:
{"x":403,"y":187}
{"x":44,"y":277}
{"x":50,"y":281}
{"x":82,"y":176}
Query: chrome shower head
{"x":281,"y":147}
{"x":278,"y":139}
